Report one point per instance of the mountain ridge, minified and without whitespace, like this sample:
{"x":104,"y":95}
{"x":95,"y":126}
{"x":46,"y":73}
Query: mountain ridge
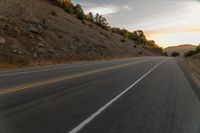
{"x":180,"y":49}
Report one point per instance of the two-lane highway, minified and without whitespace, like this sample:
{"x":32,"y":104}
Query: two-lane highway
{"x":137,"y":95}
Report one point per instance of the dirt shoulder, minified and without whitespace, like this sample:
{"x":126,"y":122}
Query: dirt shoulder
{"x":192,"y":67}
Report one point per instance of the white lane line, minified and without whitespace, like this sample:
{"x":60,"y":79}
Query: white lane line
{"x":99,"y":111}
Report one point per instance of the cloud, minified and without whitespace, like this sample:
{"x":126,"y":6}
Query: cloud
{"x":103,"y":8}
{"x":152,"y":16}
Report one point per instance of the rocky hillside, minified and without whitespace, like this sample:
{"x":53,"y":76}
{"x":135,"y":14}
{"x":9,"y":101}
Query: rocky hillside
{"x":180,"y":49}
{"x":37,"y":32}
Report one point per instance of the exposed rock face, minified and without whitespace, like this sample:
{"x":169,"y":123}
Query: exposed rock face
{"x":2,"y":40}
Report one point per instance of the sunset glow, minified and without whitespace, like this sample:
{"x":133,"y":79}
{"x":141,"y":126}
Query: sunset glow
{"x":186,"y":31}
{"x":170,"y":39}
{"x":168,"y":22}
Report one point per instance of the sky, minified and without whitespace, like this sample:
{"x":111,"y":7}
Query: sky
{"x":168,"y":22}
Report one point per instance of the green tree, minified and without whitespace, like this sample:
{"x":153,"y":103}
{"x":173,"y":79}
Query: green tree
{"x":96,"y":18}
{"x":197,"y":49}
{"x":116,"y":30}
{"x":101,"y":21}
{"x":67,"y":3}
{"x":189,"y":53}
{"x":125,"y":33}
{"x":175,"y":54}
{"x":79,"y":12}
{"x":90,"y":17}
{"x":165,"y":54}
{"x":68,"y":6}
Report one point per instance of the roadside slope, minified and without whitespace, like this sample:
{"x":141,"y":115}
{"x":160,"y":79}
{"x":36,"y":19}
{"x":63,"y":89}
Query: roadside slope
{"x":38,"y":32}
{"x":192,"y":67}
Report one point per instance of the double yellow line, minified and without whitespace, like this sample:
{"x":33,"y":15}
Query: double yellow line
{"x":51,"y":81}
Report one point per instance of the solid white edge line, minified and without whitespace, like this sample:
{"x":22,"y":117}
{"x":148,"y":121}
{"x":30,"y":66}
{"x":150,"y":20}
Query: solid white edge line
{"x":99,"y":111}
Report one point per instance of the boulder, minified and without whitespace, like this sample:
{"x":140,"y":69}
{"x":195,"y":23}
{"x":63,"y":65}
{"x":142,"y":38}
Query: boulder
{"x":2,"y":41}
{"x":40,"y":45}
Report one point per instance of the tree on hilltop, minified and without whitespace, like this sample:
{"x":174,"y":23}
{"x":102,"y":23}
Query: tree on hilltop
{"x":79,"y":12}
{"x":90,"y":17}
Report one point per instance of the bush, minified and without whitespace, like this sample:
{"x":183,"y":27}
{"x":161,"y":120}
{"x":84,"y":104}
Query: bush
{"x":90,"y":17}
{"x":197,"y":49}
{"x":101,"y":21}
{"x":79,"y":12}
{"x":69,"y":9}
{"x":192,"y":52}
{"x":123,"y":40}
{"x":175,"y":54}
{"x":189,"y":53}
{"x":68,"y":6}
{"x":165,"y":54}
{"x":138,"y":37}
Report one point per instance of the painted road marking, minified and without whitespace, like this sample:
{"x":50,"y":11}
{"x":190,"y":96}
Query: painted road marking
{"x":99,"y":111}
{"x":51,"y":81}
{"x":41,"y":70}
{"x":47,"y":69}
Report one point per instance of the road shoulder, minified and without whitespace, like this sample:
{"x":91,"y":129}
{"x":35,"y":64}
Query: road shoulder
{"x":192,"y":73}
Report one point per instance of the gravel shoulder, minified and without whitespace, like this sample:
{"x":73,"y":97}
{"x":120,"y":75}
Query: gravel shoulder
{"x":191,"y":68}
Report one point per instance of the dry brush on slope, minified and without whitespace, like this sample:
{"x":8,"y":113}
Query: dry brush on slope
{"x":37,"y":32}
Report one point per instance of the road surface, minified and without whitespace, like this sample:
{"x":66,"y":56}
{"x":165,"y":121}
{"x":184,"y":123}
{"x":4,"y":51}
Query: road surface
{"x":137,"y":95}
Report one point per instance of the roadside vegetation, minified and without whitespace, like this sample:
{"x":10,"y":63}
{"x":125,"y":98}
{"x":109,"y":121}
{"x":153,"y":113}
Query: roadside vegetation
{"x":175,"y":54}
{"x":192,"y":52}
{"x":50,"y":32}
{"x":137,"y":36}
{"x":165,"y":54}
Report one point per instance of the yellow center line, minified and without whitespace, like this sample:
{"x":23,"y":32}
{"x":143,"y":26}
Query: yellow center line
{"x":42,"y":83}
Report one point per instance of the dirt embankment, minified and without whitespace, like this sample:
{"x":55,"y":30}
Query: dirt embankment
{"x":191,"y":65}
{"x":34,"y":32}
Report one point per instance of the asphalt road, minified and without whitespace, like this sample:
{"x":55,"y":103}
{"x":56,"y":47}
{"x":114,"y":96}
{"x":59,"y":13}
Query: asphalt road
{"x":137,"y":95}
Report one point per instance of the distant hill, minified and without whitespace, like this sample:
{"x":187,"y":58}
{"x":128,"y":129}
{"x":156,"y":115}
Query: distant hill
{"x":180,"y":48}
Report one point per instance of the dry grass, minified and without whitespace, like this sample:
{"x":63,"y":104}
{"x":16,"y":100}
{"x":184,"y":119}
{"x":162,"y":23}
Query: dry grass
{"x":192,"y":65}
{"x":36,"y":26}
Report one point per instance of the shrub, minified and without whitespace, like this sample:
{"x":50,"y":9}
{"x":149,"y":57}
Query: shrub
{"x":90,"y":17}
{"x":101,"y":21}
{"x":165,"y":54}
{"x":69,"y":9}
{"x":189,"y":53}
{"x":123,"y":40}
{"x":68,"y":6}
{"x":197,"y":49}
{"x":175,"y":54}
{"x":79,"y":12}
{"x":137,"y":36}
